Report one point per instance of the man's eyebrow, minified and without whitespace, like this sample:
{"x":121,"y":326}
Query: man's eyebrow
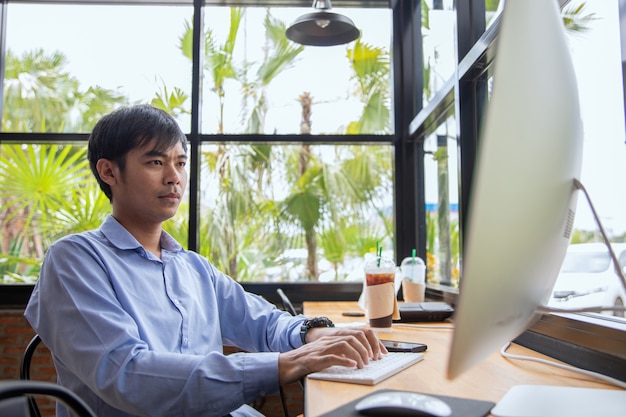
{"x":156,"y":152}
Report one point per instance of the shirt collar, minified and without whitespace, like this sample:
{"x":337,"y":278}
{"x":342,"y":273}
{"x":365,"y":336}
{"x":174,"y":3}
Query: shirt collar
{"x":122,"y":239}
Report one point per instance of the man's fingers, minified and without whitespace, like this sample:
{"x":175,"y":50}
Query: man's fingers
{"x":350,"y":347}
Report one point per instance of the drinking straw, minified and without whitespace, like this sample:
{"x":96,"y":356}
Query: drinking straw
{"x":380,"y":254}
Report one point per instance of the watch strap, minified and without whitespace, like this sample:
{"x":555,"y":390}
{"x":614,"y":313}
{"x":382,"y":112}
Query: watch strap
{"x":311,"y":323}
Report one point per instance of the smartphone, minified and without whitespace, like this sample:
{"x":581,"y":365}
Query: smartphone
{"x":353,"y":314}
{"x":397,"y":346}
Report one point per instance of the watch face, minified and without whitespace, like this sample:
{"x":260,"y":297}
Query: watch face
{"x":319,"y":322}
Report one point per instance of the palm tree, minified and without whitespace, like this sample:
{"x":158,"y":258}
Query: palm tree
{"x":36,"y":183}
{"x":218,"y":59}
{"x":43,"y":188}
{"x":40,"y":96}
{"x":279,"y":55}
{"x":37,"y":92}
{"x":325,"y":196}
{"x":371,"y":69}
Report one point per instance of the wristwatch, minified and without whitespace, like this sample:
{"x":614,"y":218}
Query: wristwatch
{"x":314,"y":322}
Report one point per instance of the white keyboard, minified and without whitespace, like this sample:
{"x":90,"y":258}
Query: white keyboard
{"x":374,"y":372}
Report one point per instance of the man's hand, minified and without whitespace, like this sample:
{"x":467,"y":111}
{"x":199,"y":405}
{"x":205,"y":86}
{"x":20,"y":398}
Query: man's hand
{"x":329,"y":346}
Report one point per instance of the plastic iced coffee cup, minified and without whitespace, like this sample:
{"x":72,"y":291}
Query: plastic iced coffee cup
{"x":413,"y":273}
{"x":380,"y":275}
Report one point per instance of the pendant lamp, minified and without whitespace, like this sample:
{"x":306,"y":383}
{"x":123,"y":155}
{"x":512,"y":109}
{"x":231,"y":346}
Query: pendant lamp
{"x":322,"y":27}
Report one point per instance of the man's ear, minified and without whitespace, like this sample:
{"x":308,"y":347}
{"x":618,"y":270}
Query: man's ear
{"x":107,"y":170}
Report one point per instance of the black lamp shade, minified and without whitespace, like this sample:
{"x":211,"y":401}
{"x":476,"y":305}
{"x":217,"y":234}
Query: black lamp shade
{"x":323,"y":29}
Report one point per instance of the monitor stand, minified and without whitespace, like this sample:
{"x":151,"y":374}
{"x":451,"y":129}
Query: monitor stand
{"x":618,"y":270}
{"x":556,"y":401}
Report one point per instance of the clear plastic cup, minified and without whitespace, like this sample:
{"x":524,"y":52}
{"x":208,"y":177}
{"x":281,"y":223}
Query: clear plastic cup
{"x":380,"y":273}
{"x":413,"y":273}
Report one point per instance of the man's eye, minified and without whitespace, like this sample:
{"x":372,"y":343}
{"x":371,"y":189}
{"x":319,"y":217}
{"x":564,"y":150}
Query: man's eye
{"x":156,"y":162}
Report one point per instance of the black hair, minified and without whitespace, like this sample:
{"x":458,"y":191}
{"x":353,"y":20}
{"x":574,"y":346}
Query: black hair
{"x":128,"y":128}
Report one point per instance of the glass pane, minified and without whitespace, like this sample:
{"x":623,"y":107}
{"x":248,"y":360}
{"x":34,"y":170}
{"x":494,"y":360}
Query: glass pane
{"x":438,"y":37}
{"x":260,"y":82}
{"x":47,"y":192}
{"x":295,"y":212}
{"x":441,"y":170}
{"x":67,"y":65}
{"x":594,"y":38}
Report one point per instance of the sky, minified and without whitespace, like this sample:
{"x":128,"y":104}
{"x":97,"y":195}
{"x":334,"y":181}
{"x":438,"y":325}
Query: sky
{"x":597,"y":60}
{"x":131,"y":53}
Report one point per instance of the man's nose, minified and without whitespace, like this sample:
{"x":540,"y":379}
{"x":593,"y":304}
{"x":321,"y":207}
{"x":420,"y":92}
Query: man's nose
{"x":172,"y":176}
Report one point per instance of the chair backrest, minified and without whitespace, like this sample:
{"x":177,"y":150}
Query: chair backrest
{"x":14,"y":407}
{"x":13,"y":395}
{"x":25,"y":372}
{"x":287,"y":305}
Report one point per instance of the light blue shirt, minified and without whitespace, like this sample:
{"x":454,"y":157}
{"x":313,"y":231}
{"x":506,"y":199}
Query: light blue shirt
{"x":135,"y":335}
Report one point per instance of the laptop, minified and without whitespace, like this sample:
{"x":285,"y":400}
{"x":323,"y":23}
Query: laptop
{"x":425,"y":311}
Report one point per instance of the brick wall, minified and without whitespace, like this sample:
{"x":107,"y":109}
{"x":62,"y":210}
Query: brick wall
{"x":15,"y":333}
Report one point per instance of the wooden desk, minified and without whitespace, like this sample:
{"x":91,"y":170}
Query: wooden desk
{"x":489,"y":380}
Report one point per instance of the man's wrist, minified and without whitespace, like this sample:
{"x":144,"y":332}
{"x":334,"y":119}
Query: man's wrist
{"x":311,"y":323}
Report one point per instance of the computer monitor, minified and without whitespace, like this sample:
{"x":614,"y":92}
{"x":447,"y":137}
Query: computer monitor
{"x":523,"y":197}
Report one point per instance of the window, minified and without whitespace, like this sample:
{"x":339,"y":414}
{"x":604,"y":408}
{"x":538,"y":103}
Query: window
{"x":443,"y":252}
{"x":261,"y":94}
{"x":68,"y":64}
{"x":438,"y":32}
{"x":598,"y":70}
{"x":295,"y":212}
{"x":258,"y":83}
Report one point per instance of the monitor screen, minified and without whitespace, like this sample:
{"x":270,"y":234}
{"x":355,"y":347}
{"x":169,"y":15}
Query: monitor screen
{"x":523,"y":198}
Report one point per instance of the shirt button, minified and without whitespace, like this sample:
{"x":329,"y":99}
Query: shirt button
{"x":185,"y":341}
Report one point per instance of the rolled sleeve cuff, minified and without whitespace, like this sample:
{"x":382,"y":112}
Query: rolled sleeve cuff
{"x":294,"y":337}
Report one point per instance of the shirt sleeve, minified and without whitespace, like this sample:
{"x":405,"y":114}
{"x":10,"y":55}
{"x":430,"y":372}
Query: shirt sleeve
{"x":249,"y":322}
{"x":100,"y":354}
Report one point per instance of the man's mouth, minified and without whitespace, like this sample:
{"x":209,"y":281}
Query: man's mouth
{"x":171,"y":196}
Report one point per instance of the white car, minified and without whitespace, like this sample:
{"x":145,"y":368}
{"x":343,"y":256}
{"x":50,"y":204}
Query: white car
{"x":589,"y":279}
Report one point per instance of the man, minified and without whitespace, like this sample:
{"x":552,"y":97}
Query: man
{"x":136,"y":324}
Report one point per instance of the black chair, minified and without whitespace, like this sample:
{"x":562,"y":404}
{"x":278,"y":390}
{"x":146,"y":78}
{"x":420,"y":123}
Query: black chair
{"x":14,"y":396}
{"x":25,"y":372}
{"x":287,"y":305}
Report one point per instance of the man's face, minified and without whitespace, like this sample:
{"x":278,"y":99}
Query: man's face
{"x":152,"y":185}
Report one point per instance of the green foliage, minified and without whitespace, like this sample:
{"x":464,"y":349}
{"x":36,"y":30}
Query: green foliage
{"x":47,"y":191}
{"x":172,"y":102}
{"x":15,"y":268}
{"x":85,"y":209}
{"x":575,"y":19}
{"x":492,"y":5}
{"x":371,"y":67}
{"x":35,"y":180}
{"x":38,"y":93}
{"x":40,"y":96}
{"x":304,"y":205}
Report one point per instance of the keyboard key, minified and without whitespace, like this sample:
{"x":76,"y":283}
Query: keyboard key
{"x":374,"y":372}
